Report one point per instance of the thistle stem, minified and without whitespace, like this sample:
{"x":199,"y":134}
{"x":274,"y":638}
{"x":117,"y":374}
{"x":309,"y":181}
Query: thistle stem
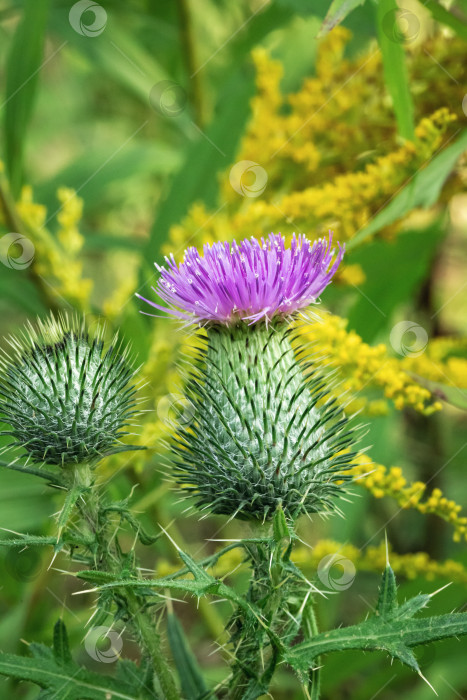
{"x":110,"y":559}
{"x":255,"y":663}
{"x":310,"y":629}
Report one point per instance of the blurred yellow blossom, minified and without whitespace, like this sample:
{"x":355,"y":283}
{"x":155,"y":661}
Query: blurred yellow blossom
{"x":362,"y":366}
{"x":372,"y":558}
{"x":69,"y":217}
{"x":32,"y":213}
{"x":381,"y":482}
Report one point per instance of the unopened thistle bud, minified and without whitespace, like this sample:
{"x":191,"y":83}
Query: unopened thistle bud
{"x":65,"y":399}
{"x":262,"y":432}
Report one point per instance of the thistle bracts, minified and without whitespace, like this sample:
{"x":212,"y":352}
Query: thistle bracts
{"x":262,"y":433}
{"x":65,"y":398}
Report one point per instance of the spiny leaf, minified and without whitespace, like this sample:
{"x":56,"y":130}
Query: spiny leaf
{"x":202,"y":584}
{"x":373,"y":636}
{"x":280,"y":527}
{"x":52,"y":676}
{"x":43,"y":473}
{"x":391,"y":629}
{"x":70,"y":501}
{"x":387,"y":601}
{"x":29,"y":540}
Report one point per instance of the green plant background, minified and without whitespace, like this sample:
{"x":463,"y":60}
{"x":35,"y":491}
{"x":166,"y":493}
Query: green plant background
{"x":76,"y":112}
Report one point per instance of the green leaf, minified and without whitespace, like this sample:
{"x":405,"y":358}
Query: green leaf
{"x":440,"y":14}
{"x":387,"y":601}
{"x":395,"y":71}
{"x":80,"y":683}
{"x":202,"y":584}
{"x":422,"y":190}
{"x":99,"y":577}
{"x":197,"y":179}
{"x":68,"y":505}
{"x":121,"y":507}
{"x":19,"y":291}
{"x":412,"y":606}
{"x":23,"y":67}
{"x":29,"y":541}
{"x":191,"y":679}
{"x":412,"y":253}
{"x":61,"y":647}
{"x":43,"y":473}
{"x":337,"y":12}
{"x":104,"y":166}
{"x":137,"y":677}
{"x":391,"y":629}
{"x":280,"y":528}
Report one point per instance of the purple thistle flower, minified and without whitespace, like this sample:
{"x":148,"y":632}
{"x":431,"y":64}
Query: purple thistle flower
{"x":250,"y":281}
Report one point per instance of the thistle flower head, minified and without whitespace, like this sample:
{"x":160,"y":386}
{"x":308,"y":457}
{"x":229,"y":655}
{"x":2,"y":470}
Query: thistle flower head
{"x":249,"y":281}
{"x":262,"y":433}
{"x":65,"y":399}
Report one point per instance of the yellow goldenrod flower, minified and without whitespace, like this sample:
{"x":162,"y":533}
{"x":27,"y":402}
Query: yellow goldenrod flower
{"x":381,"y":482}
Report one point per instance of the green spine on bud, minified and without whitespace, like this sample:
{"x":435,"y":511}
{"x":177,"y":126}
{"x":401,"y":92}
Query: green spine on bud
{"x":65,"y":399}
{"x":262,"y":434}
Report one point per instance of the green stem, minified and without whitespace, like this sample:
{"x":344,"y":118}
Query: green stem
{"x":154,"y":499}
{"x":189,"y":55}
{"x":254,"y":664}
{"x":310,"y":629}
{"x":110,"y":559}
{"x":151,"y":642}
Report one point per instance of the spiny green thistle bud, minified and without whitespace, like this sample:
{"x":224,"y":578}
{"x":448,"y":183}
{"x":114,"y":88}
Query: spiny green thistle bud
{"x":259,"y":438}
{"x":65,"y":399}
{"x":262,"y":432}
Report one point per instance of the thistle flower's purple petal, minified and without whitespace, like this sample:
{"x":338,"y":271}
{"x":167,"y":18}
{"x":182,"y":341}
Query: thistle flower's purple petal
{"x":249,"y":281}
